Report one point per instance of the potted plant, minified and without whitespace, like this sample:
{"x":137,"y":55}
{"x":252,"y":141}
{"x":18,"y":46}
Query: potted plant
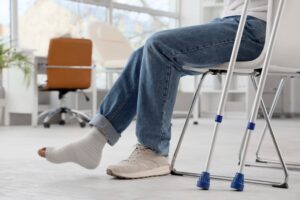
{"x":10,"y":58}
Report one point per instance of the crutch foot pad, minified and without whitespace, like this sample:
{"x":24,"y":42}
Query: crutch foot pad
{"x":238,"y":182}
{"x":204,"y":181}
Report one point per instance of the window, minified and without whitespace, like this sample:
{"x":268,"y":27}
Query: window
{"x":4,"y":21}
{"x":41,"y":20}
{"x":138,"y":26}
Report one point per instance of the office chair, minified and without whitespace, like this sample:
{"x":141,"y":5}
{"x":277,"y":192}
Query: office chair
{"x":257,"y":68}
{"x":69,"y":69}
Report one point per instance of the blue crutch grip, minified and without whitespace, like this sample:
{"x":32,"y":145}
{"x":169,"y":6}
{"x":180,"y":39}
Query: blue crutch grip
{"x":251,"y":126}
{"x":204,"y":181}
{"x":219,"y":119}
{"x":238,"y":182}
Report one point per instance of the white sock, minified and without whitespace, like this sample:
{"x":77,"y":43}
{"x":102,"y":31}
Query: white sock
{"x":86,"y":152}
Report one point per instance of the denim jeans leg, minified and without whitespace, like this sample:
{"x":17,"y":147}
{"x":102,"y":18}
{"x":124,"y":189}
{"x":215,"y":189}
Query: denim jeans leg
{"x":118,"y":108}
{"x":158,"y":85}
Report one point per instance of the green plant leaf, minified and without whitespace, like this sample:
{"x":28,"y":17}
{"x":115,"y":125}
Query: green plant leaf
{"x":10,"y":58}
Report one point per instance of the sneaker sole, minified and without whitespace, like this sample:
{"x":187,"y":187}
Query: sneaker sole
{"x":161,"y":171}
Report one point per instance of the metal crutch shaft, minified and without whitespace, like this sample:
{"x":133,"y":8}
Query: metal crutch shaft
{"x":238,"y":181}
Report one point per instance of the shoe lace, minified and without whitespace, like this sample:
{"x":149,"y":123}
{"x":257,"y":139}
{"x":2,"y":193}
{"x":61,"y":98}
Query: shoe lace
{"x":139,"y":149}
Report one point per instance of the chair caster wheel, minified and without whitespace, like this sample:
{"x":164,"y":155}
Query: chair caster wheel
{"x":62,"y":122}
{"x":82,"y":124}
{"x":86,"y":120}
{"x":195,"y":123}
{"x":46,"y":125}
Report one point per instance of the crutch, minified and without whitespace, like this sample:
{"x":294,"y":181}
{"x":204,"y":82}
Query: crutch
{"x":238,"y":180}
{"x":204,"y":180}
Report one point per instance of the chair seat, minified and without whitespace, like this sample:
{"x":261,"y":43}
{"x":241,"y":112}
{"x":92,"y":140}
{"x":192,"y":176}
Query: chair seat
{"x":246,"y":68}
{"x":241,"y":67}
{"x":44,"y":88}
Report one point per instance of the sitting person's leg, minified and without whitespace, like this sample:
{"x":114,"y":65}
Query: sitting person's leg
{"x":148,"y":87}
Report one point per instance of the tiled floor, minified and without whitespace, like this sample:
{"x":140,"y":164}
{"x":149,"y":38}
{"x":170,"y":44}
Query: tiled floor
{"x":23,"y":175}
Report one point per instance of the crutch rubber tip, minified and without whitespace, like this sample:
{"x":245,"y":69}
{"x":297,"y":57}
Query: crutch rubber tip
{"x":204,"y":181}
{"x":238,"y":182}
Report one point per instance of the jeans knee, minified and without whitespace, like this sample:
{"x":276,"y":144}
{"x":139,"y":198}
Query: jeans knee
{"x":156,"y":40}
{"x":138,"y":52}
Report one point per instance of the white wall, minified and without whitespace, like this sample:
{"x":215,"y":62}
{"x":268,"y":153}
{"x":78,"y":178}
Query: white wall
{"x":295,"y":105}
{"x":190,"y":12}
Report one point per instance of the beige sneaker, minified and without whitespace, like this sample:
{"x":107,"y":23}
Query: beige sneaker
{"x":142,"y":163}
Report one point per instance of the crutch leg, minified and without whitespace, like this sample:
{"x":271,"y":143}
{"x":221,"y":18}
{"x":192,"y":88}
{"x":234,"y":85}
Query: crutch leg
{"x":238,"y":180}
{"x":187,"y":122}
{"x":204,"y":180}
{"x":273,"y":106}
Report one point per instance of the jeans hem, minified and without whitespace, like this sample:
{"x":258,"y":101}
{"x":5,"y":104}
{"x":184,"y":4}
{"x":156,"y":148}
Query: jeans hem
{"x":106,"y":128}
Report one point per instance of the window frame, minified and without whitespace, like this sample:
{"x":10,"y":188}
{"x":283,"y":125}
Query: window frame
{"x":111,"y":5}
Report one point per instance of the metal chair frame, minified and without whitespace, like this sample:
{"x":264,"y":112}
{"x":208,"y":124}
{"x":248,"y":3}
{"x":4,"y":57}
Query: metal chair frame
{"x":270,"y":163}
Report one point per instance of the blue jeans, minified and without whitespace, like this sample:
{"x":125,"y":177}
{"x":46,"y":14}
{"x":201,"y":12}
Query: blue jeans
{"x":148,"y":85}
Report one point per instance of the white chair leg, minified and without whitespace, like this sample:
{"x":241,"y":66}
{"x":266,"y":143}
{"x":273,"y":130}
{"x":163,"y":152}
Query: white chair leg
{"x":277,"y":95}
{"x":271,"y":112}
{"x":196,"y":95}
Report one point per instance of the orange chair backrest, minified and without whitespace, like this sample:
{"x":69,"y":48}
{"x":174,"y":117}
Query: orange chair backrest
{"x":68,"y":52}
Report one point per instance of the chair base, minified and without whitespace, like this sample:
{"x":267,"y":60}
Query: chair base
{"x":283,"y":185}
{"x":81,"y":117}
{"x":273,"y":164}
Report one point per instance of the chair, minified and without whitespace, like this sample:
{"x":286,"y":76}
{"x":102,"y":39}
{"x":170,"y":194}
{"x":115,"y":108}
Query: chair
{"x":69,"y":69}
{"x":285,"y":63}
{"x":112,"y":49}
{"x":258,"y":67}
